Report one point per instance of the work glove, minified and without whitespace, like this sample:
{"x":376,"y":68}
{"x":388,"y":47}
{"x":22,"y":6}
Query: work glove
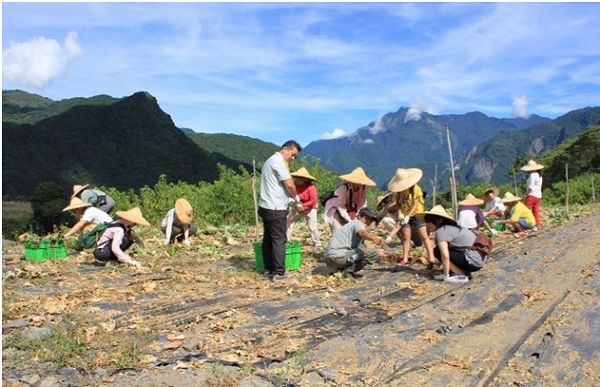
{"x":388,"y":240}
{"x":404,"y":220}
{"x":135,"y":263}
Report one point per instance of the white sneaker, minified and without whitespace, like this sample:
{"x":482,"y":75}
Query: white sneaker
{"x":457,"y":278}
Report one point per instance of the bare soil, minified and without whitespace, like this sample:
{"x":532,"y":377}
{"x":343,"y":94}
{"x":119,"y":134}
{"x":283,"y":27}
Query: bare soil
{"x":203,"y":316}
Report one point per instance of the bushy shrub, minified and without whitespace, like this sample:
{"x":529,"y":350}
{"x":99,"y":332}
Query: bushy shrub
{"x":47,"y":203}
{"x":580,"y":190}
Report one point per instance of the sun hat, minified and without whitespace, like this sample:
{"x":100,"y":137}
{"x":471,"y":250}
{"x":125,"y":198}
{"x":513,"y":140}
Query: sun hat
{"x":381,"y":198}
{"x":509,"y":198}
{"x":76,"y":203}
{"x":404,"y":179}
{"x":368,"y":213}
{"x":78,"y":188}
{"x":438,"y":210}
{"x":184,"y":211}
{"x":358,"y":176}
{"x":471,"y":200}
{"x":134,"y":216}
{"x":494,"y":189}
{"x":303,"y":173}
{"x":531,"y":166}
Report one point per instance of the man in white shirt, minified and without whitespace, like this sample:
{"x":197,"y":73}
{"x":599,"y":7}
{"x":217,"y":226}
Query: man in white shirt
{"x":276,"y":187}
{"x":533,"y":197}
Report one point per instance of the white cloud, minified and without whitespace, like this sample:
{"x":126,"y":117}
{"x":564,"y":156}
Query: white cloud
{"x":336,"y":133}
{"x":520,"y":104}
{"x":368,"y":141}
{"x":379,"y":126}
{"x":38,"y":61}
{"x":418,"y":106}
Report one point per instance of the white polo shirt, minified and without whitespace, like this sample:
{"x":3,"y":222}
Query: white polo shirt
{"x":273,"y":195}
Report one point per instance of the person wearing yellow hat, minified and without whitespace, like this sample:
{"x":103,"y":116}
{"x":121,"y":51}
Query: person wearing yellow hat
{"x":95,"y":197}
{"x":90,"y":216}
{"x":119,"y":236}
{"x":177,"y":223}
{"x":410,"y":201}
{"x":307,"y":192}
{"x":454,"y":246}
{"x":348,"y":198}
{"x":520,"y":217}
{"x":533,"y":196}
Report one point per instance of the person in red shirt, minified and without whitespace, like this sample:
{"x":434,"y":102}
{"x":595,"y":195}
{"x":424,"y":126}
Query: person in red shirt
{"x":307,"y":192}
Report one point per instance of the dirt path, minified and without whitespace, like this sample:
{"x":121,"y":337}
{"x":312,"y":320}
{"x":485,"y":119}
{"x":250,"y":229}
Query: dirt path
{"x":528,"y":317}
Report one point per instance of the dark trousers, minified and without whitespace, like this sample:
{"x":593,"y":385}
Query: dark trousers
{"x":105,"y":252}
{"x":458,"y":258}
{"x":177,"y":232}
{"x":274,"y":238}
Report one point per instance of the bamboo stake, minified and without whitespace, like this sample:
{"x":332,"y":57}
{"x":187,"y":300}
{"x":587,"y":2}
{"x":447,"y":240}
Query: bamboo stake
{"x":515,"y":182}
{"x":435,"y":186}
{"x":593,"y":192}
{"x":567,"y":193}
{"x":255,"y":201}
{"x":453,"y":184}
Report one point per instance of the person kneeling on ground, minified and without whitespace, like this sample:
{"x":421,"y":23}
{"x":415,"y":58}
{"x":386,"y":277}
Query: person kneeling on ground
{"x":119,"y":236}
{"x":346,"y":251}
{"x":521,"y":218}
{"x":453,"y":246}
{"x":90,"y":216}
{"x":176,"y":224}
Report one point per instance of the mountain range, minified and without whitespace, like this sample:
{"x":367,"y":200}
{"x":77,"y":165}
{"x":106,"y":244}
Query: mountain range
{"x":483,"y":147}
{"x":119,"y":142}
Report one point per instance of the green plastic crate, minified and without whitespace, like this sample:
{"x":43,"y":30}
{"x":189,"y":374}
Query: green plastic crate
{"x":45,"y":250}
{"x":293,"y":256}
{"x":35,"y":254}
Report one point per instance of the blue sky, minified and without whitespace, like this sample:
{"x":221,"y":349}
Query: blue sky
{"x":308,"y":71}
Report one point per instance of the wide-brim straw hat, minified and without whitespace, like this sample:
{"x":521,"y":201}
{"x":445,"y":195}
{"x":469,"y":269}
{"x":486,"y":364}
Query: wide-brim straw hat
{"x":381,"y":198}
{"x":404,"y":179}
{"x":438,"y":210}
{"x":76,"y":203}
{"x":303,"y":173}
{"x":471,"y":200}
{"x":78,"y":188}
{"x":134,"y":216}
{"x":509,"y":198}
{"x":495,"y":190}
{"x":531,"y":166}
{"x":358,"y":176}
{"x":184,"y":211}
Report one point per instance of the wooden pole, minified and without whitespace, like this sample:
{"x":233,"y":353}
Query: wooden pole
{"x":567,"y":180}
{"x":435,"y":186}
{"x":515,"y":182}
{"x":453,"y":182}
{"x":255,"y":201}
{"x":593,"y":192}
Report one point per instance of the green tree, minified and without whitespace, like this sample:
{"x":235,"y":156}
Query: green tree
{"x":47,"y":203}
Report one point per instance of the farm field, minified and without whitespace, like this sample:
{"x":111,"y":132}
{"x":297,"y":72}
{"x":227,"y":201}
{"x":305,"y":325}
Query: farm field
{"x":203,"y":316}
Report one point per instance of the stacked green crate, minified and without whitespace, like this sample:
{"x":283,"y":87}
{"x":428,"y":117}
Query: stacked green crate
{"x":293,"y":256}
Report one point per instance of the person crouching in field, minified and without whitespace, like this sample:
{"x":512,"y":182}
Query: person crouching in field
{"x":349,"y":198}
{"x":453,"y":248}
{"x":119,"y":236}
{"x":95,"y":197}
{"x":346,"y":251}
{"x":307,"y":192}
{"x":520,"y":217}
{"x":410,"y":201}
{"x":176,"y":224}
{"x":494,"y":207}
{"x":470,"y":215}
{"x":533,"y":196}
{"x":90,"y":217}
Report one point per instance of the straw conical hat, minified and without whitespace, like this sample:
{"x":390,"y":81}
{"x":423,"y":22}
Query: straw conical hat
{"x":531,"y":166}
{"x":358,"y":176}
{"x":78,"y":188}
{"x":383,"y":197}
{"x":471,"y":200}
{"x":184,"y":211}
{"x":134,"y":215}
{"x":76,"y":203}
{"x":495,"y":190}
{"x":509,"y":198}
{"x":438,"y":210}
{"x":303,"y":173}
{"x":404,"y":179}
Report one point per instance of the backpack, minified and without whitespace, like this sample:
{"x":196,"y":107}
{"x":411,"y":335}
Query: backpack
{"x":88,"y":239}
{"x":482,"y":244}
{"x":329,"y":195}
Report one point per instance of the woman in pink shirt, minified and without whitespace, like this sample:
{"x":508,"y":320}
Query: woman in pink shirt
{"x":307,"y":192}
{"x":119,"y":236}
{"x":348,"y":199}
